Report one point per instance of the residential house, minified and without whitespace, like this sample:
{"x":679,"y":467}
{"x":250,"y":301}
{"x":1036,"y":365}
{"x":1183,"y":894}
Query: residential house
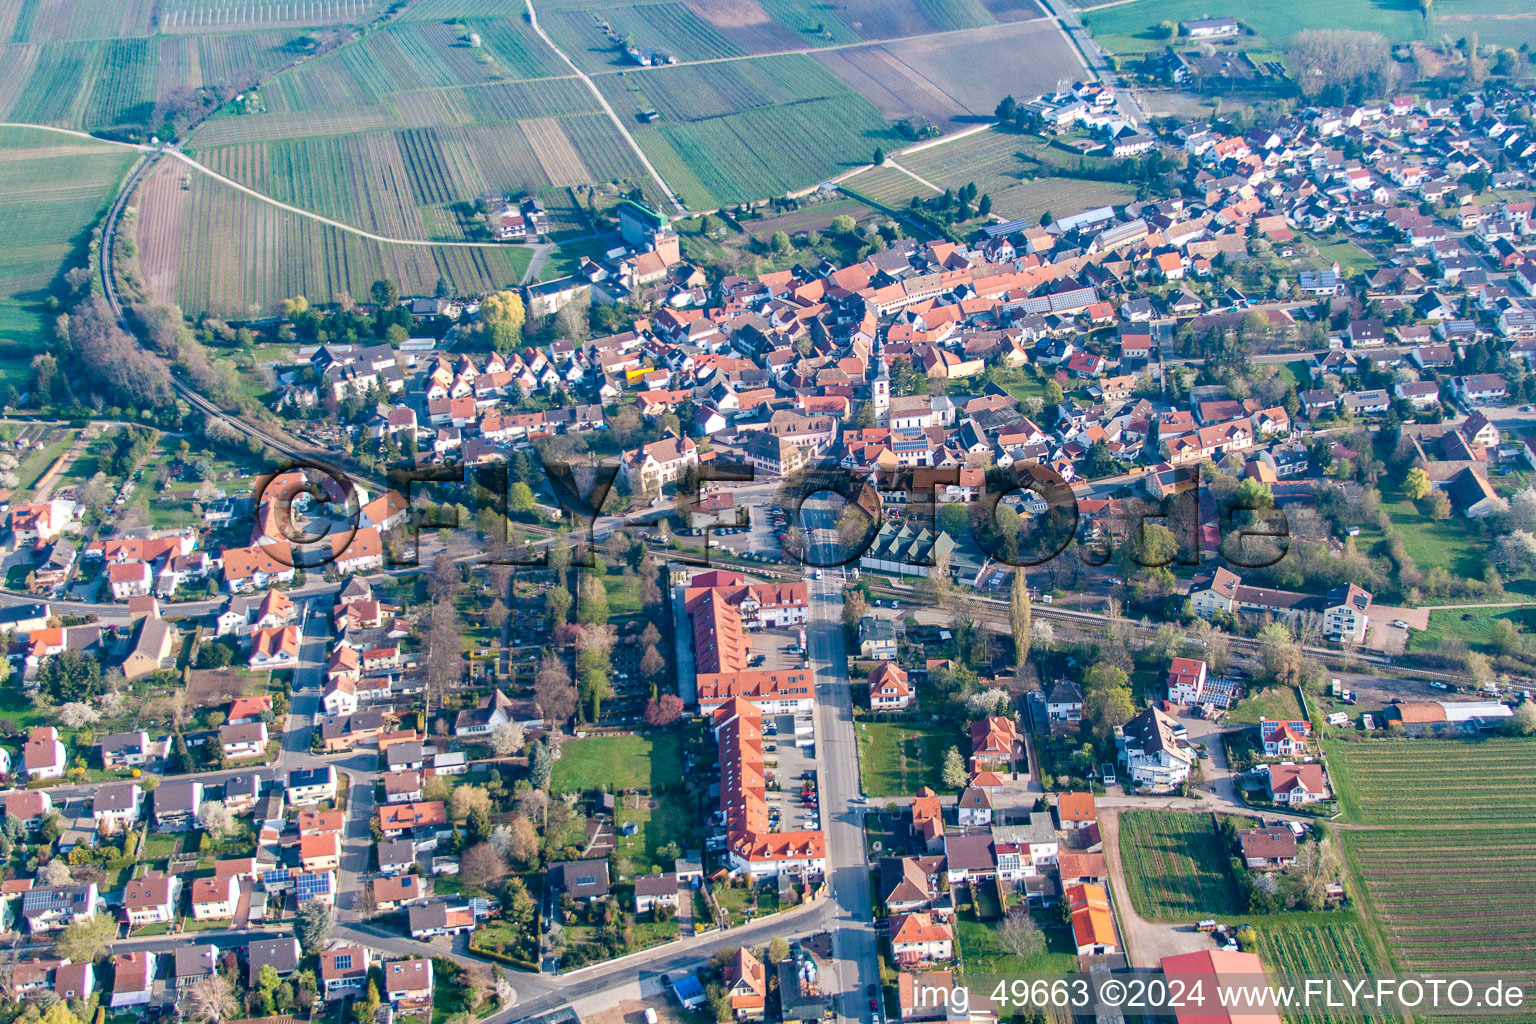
{"x":115,"y":805}
{"x":1064,"y":701}
{"x":344,"y":971}
{"x":43,"y":755}
{"x":653,"y":891}
{"x":889,"y":689}
{"x":440,"y":917}
{"x":151,"y":899}
{"x":746,"y":985}
{"x":215,"y":899}
{"x":176,"y":803}
{"x":281,"y":954}
{"x":311,"y":785}
{"x":133,"y":978}
{"x":585,"y":880}
{"x":408,"y":984}
{"x":1154,"y":752}
{"x":1272,"y":846}
{"x":917,"y":937}
{"x":1295,"y":783}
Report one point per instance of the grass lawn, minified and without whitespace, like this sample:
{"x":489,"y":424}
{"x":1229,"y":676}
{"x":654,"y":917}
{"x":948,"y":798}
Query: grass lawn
{"x":158,"y":847}
{"x":1276,"y":703}
{"x":1350,"y":257}
{"x":619,"y":763}
{"x":897,"y":759}
{"x":623,"y":594}
{"x":675,"y":820}
{"x":1473,"y":627}
{"x":982,"y":953}
{"x":737,"y":903}
{"x":1298,"y":372}
{"x":654,"y":933}
{"x":1450,"y":543}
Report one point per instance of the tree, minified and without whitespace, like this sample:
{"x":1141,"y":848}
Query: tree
{"x":55,"y":872}
{"x":481,"y":865}
{"x":652,"y":665}
{"x":502,"y":315}
{"x":211,"y":999}
{"x":779,"y":242}
{"x":843,"y":225}
{"x":1108,"y":707}
{"x":313,"y":925}
{"x":1020,"y":616}
{"x":994,"y":701}
{"x":591,"y":599}
{"x":540,"y":765}
{"x":954,"y":776}
{"x":366,"y":1008}
{"x":879,"y":157}
{"x":216,"y":819}
{"x":557,"y":606}
{"x":508,"y":739}
{"x":1524,"y":720}
{"x":855,"y":607}
{"x":520,"y":497}
{"x":77,"y":715}
{"x":664,"y":710}
{"x":553,"y":692}
{"x":1020,"y":935}
{"x":517,"y":840}
{"x":778,"y":949}
{"x":1416,"y":484}
{"x":88,"y":940}
{"x":468,"y":799}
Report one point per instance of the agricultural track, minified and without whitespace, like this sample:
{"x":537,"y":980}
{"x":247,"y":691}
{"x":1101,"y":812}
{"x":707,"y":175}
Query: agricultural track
{"x":533,"y":20}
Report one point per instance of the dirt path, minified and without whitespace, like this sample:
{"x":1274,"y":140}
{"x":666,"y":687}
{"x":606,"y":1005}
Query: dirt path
{"x":597,"y":94}
{"x":1146,"y":942}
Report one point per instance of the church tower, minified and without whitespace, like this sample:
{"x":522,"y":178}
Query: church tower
{"x":880,"y":386}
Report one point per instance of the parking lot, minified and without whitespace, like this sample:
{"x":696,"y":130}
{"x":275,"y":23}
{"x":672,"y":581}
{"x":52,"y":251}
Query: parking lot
{"x":791,"y":766}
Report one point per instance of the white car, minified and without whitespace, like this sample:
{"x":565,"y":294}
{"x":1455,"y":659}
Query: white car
{"x":1400,"y":624}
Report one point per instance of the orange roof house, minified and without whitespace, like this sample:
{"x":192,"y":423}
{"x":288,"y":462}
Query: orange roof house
{"x":1092,"y":927}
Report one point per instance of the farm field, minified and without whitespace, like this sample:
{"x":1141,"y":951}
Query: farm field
{"x":1175,"y":866}
{"x":747,"y":129}
{"x":1389,"y":782}
{"x":1131,"y":28}
{"x":888,"y":186}
{"x":52,"y":190}
{"x":952,"y":78}
{"x":1443,"y":899}
{"x":99,"y":84}
{"x":713,"y":29}
{"x":897,"y":759}
{"x":401,"y":169}
{"x":1473,"y":627}
{"x":1326,"y":944}
{"x":997,"y":160}
{"x":210,"y":248}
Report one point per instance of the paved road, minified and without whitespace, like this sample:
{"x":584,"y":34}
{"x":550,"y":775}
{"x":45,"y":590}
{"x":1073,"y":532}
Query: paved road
{"x":853,"y":932}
